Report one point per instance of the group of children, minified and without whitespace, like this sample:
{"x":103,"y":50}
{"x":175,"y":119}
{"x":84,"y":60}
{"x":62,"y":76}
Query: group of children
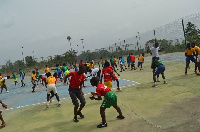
{"x":77,"y":79}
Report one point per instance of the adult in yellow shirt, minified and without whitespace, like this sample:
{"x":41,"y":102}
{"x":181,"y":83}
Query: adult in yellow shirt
{"x":33,"y":76}
{"x":140,"y":61}
{"x":189,"y":53}
{"x":51,"y":86}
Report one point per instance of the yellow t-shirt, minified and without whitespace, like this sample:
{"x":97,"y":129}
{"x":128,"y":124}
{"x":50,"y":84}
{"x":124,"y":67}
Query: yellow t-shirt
{"x":101,"y":60}
{"x":141,"y":59}
{"x":47,"y":70}
{"x":198,"y":51}
{"x":91,"y":66}
{"x":51,"y":80}
{"x":189,"y":52}
{"x":0,"y":78}
{"x":115,"y":60}
{"x":33,"y":77}
{"x":196,"y":48}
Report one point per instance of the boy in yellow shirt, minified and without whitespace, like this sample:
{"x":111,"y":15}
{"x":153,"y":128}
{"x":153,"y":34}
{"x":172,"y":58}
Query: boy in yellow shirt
{"x":33,"y":77}
{"x":189,"y":54}
{"x":51,"y":86}
{"x":140,"y":61}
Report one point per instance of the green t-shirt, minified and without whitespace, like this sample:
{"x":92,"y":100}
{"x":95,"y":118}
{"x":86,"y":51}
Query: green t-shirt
{"x":158,"y":62}
{"x":112,"y":60}
{"x":64,"y":68}
{"x":58,"y":68}
{"x":14,"y":76}
{"x":37,"y":73}
{"x":21,"y":72}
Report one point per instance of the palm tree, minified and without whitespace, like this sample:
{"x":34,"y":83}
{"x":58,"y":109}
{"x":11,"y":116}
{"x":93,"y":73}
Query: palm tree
{"x":69,"y":38}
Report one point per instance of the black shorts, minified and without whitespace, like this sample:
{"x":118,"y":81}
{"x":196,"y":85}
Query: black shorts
{"x":74,"y":94}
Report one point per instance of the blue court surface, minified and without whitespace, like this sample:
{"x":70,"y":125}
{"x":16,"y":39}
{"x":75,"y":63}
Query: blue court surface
{"x":22,"y":96}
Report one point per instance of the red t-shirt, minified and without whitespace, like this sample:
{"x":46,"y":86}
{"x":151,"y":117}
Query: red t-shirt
{"x":43,"y":78}
{"x":75,"y":79}
{"x":107,"y":74}
{"x":132,"y":57}
{"x":102,"y":89}
{"x":81,"y":63}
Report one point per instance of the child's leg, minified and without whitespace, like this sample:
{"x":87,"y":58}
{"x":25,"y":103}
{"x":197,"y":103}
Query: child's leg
{"x":103,"y":116}
{"x":118,"y":110}
{"x":2,"y":120}
{"x":117,"y":84}
{"x":187,"y":64}
{"x":57,"y":97}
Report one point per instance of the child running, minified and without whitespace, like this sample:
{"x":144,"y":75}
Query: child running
{"x":21,"y":73}
{"x":160,"y":68}
{"x":3,"y":124}
{"x":51,"y":86}
{"x":110,"y":99}
{"x":3,"y":84}
{"x":33,"y":77}
{"x":15,"y":78}
{"x":75,"y":90}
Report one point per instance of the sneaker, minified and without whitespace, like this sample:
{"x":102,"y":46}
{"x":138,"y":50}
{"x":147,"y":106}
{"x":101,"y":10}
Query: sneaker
{"x":120,"y":117}
{"x":59,"y":105}
{"x":185,"y":73}
{"x":33,"y":91}
{"x":102,"y":125}
{"x":75,"y":119}
{"x":80,"y":114}
{"x":154,"y":85}
{"x":47,"y":106}
{"x":118,"y":89}
{"x":7,"y":91}
{"x":50,"y":101}
{"x":195,"y":72}
{"x":165,"y":82}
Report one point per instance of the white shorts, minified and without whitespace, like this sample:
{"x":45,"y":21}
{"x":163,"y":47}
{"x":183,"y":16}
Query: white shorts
{"x":198,"y":59}
{"x":50,"y":88}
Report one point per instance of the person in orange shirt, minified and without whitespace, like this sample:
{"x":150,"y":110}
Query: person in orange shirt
{"x":51,"y":86}
{"x":33,"y":77}
{"x":47,"y":69}
{"x":140,"y":61}
{"x":189,"y":53}
{"x":197,"y":55}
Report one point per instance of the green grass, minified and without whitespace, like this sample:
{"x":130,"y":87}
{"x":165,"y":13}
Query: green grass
{"x":165,"y":108}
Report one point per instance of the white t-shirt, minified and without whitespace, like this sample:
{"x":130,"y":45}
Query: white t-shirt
{"x":94,"y":71}
{"x":154,"y":51}
{"x":4,"y":78}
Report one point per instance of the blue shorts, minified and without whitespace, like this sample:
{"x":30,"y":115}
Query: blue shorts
{"x":190,"y":58}
{"x":22,"y":77}
{"x":160,"y":69}
{"x":139,"y":63}
{"x":59,"y":73}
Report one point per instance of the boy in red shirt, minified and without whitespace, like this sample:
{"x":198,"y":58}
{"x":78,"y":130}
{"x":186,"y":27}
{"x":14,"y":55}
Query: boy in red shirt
{"x":107,"y":74}
{"x":75,"y":90}
{"x":110,"y":99}
{"x":132,"y":57}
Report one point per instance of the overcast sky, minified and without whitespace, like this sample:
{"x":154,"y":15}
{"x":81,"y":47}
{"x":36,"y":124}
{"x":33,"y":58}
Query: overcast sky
{"x":42,"y":26}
